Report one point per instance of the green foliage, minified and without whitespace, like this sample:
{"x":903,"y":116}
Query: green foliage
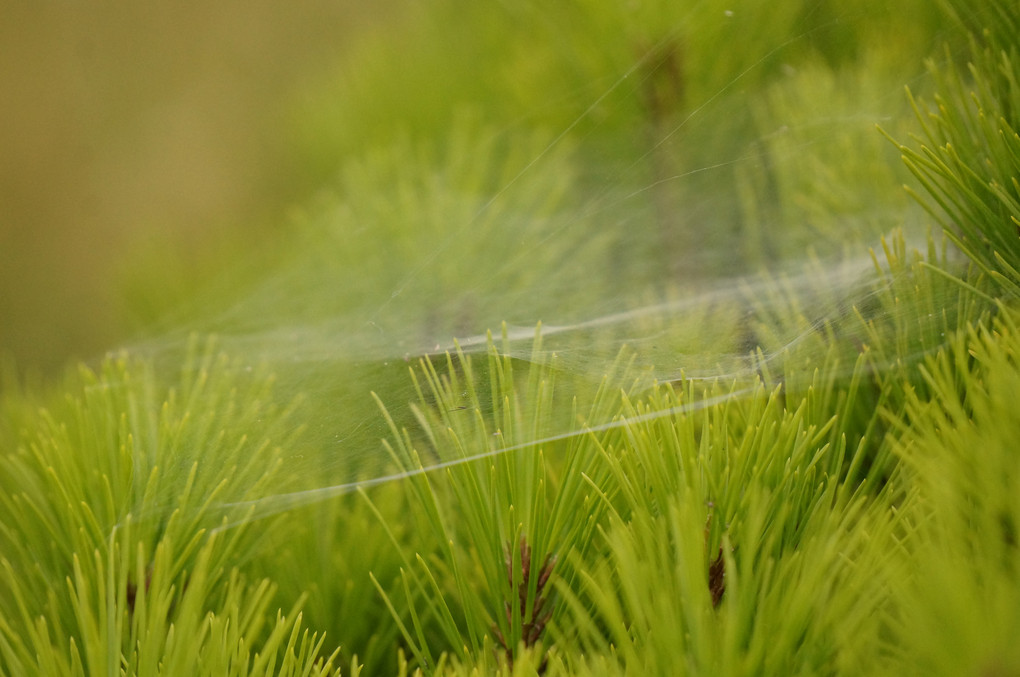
{"x":503,"y":519}
{"x":958,"y":611}
{"x":808,"y":470}
{"x":969,"y":163}
{"x":107,"y":561}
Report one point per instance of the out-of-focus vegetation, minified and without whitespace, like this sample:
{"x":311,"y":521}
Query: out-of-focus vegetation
{"x":136,"y":140}
{"x":689,"y":469}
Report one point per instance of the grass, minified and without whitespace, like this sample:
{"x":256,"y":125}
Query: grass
{"x":729,"y":468}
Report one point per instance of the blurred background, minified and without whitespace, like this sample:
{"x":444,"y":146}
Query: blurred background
{"x":135,"y":132}
{"x":156,"y":159}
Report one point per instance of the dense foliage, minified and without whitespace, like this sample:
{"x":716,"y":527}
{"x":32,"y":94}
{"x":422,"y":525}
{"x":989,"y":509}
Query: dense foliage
{"x":744,"y":446}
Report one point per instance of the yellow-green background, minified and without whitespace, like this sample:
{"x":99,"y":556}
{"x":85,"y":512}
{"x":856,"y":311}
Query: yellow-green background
{"x":140,"y":132}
